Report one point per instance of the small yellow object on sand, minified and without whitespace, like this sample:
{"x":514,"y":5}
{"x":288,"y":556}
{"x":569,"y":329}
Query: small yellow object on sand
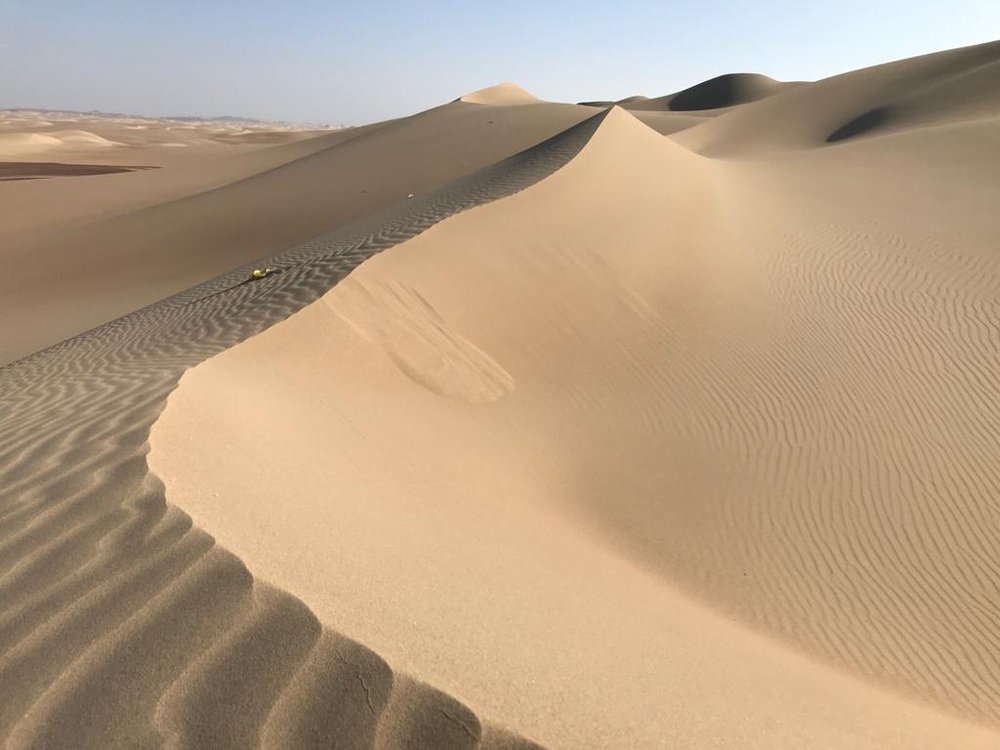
{"x":260,"y":273}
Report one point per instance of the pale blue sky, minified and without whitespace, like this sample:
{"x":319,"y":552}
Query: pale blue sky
{"x":350,"y":63}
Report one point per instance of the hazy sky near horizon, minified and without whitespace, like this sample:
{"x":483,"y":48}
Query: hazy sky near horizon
{"x":351,"y":63}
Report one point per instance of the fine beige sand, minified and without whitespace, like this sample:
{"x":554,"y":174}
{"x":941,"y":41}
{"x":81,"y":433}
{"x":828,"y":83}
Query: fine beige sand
{"x":664,"y":423}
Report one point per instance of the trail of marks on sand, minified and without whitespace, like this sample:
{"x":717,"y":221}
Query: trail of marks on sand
{"x":123,"y":625}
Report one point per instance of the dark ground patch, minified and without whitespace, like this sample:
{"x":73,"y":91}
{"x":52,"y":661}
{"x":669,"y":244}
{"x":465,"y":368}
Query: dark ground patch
{"x":27,"y":170}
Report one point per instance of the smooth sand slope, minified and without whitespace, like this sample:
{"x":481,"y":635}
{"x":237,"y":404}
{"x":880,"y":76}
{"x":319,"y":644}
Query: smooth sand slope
{"x":667,"y":450}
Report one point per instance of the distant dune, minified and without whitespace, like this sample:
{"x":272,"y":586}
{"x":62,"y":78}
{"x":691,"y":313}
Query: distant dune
{"x":725,"y":91}
{"x":716,"y":93}
{"x":946,"y":89}
{"x":664,"y":424}
{"x":504,"y":93}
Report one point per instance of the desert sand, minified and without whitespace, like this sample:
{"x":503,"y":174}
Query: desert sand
{"x":662,"y":422}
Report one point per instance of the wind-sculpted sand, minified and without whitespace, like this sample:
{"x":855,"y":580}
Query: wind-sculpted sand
{"x":123,"y":625}
{"x":674,"y":430}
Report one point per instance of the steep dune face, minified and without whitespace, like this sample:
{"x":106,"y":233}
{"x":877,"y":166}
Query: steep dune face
{"x":759,"y":385}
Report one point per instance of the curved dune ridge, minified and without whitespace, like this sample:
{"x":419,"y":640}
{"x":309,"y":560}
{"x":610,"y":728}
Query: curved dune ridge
{"x":756,"y":388}
{"x":125,"y":625}
{"x":629,"y":440}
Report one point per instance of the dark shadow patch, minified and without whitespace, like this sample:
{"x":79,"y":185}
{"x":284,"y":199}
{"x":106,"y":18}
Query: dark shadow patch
{"x":860,"y":125}
{"x":25,"y":170}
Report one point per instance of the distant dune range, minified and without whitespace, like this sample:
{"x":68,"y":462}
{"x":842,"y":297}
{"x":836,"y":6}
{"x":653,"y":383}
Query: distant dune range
{"x":669,"y":424}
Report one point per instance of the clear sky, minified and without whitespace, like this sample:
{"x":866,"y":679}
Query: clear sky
{"x":354,"y":62}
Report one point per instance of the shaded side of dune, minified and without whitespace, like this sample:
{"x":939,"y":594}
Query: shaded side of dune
{"x":126,"y":626}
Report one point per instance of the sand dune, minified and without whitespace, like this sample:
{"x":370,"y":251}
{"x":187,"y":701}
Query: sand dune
{"x":721,"y":91}
{"x":955,"y":87}
{"x":20,"y":144}
{"x":626,"y":440}
{"x":503,"y":93}
{"x":108,"y":584}
{"x":81,"y":138}
{"x":684,"y":387}
{"x":706,"y":97}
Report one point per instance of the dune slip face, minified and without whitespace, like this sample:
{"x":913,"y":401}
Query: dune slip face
{"x":693,"y":441}
{"x":121,"y":624}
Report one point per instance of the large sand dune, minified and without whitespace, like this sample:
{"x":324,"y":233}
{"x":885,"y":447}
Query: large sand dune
{"x":126,"y":626}
{"x":628,"y":440}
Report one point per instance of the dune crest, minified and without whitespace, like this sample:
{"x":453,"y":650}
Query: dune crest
{"x":501,"y":94}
